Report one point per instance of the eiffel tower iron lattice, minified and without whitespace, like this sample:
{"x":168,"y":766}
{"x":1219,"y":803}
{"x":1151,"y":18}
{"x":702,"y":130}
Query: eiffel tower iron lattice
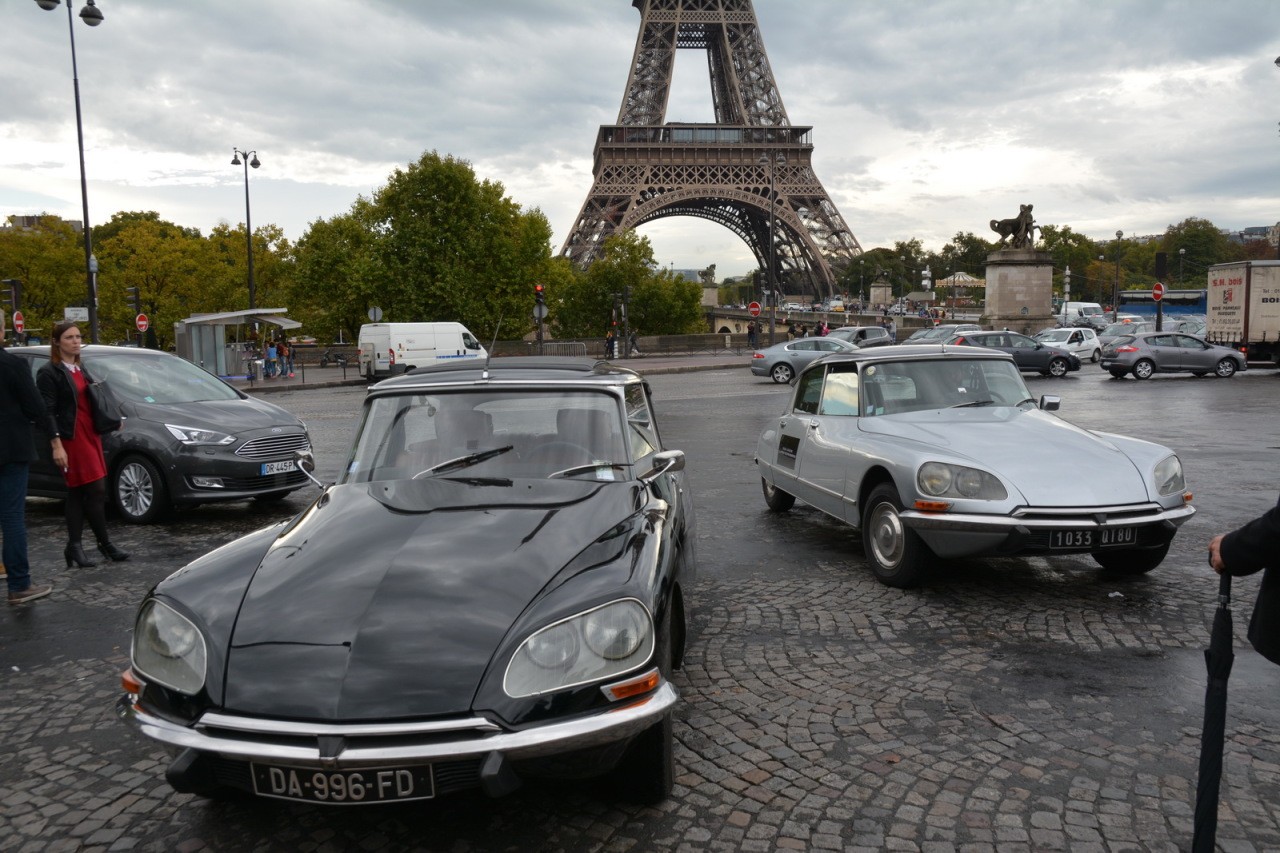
{"x":750,"y":171}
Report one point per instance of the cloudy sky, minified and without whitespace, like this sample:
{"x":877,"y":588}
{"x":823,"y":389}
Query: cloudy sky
{"x":929,"y":117}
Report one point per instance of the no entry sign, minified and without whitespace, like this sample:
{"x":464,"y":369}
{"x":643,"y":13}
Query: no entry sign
{"x":141,"y":322}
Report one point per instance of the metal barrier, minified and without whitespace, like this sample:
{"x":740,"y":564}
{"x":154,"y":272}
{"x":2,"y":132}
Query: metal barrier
{"x":575,"y":348}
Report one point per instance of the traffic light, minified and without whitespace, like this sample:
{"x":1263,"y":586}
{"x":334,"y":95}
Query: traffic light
{"x":13,"y":294}
{"x":137,"y":299}
{"x":537,"y":294}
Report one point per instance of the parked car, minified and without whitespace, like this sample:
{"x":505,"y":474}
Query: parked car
{"x":495,"y":589}
{"x":1028,"y":354}
{"x":783,"y":361}
{"x":1117,"y":330}
{"x":941,"y":452}
{"x":938,"y":334}
{"x":188,"y":437}
{"x":1082,"y":342}
{"x":1147,"y":353}
{"x":863,"y":336}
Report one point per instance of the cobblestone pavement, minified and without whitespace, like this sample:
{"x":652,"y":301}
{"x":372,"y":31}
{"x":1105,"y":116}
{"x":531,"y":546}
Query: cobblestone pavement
{"x":1010,"y":705}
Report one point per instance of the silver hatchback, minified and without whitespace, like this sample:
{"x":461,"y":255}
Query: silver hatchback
{"x":1147,"y":353}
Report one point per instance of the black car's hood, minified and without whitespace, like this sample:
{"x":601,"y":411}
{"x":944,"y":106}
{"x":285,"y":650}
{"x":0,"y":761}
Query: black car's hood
{"x":388,"y":600}
{"x":247,"y":414}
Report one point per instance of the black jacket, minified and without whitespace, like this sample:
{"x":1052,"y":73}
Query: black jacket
{"x":20,"y":407}
{"x":59,"y":393}
{"x":1257,"y":546}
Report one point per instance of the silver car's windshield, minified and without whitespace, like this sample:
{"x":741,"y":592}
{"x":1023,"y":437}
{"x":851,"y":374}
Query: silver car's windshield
{"x":503,"y":434}
{"x":895,"y":387}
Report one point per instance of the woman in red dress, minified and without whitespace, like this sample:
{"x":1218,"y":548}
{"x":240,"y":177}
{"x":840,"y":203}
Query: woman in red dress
{"x":77,"y":449}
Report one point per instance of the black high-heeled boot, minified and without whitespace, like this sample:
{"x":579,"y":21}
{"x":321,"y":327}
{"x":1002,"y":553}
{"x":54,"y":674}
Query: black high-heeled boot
{"x":111,"y":552}
{"x":75,"y":554}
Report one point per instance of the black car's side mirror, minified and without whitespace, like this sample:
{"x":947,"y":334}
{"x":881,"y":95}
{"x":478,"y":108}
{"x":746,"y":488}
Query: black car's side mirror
{"x":1050,"y":402}
{"x":664,"y":462}
{"x":306,"y":463}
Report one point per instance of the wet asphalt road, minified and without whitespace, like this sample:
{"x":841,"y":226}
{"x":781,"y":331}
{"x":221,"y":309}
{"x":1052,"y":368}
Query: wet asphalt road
{"x":1009,"y":705}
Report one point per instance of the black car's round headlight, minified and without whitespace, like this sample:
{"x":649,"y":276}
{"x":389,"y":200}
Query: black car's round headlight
{"x":169,"y":649}
{"x":591,"y":646}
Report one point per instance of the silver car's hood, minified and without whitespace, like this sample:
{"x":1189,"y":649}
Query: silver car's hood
{"x":1049,"y":461}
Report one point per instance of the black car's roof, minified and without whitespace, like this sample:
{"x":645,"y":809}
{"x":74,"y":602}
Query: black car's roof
{"x":539,"y":369}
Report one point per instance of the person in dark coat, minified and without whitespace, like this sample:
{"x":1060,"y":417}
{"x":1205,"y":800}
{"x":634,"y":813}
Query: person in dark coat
{"x":20,"y":407}
{"x":1254,"y":547}
{"x":77,"y":449}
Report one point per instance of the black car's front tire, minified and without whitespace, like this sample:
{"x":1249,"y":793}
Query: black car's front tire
{"x":1132,"y":561}
{"x":898,"y":556}
{"x":646,"y":773}
{"x":138,"y":491}
{"x":778,"y":500}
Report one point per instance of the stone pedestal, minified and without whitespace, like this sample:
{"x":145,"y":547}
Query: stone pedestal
{"x":1019,"y":291}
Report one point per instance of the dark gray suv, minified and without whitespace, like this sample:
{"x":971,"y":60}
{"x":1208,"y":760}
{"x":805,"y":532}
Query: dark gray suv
{"x":188,"y":437}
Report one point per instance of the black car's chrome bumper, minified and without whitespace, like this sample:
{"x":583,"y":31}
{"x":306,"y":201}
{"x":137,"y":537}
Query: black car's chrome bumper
{"x":358,"y":745}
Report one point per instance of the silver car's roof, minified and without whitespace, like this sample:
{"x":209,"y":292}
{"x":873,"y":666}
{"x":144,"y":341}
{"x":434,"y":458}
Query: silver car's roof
{"x":916,"y":352}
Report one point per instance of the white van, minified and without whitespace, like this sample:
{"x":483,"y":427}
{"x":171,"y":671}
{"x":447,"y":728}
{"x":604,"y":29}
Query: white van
{"x":387,"y":349}
{"x":1082,"y":314}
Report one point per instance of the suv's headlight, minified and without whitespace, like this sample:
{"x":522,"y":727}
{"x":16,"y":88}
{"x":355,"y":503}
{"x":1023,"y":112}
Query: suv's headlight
{"x":1169,"y":479}
{"x":198,"y":435}
{"x":590,"y":646}
{"x":944,"y":480}
{"x":168,"y":648}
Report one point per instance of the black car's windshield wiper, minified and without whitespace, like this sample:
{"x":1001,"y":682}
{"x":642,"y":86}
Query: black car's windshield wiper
{"x":462,"y":462}
{"x":1027,"y":400}
{"x":974,"y":403}
{"x":582,"y":469}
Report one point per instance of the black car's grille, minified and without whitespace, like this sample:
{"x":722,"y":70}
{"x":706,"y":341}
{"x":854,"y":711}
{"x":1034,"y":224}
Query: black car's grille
{"x":274,"y":446}
{"x":271,"y":481}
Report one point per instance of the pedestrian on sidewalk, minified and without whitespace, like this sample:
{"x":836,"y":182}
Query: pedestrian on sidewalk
{"x":20,"y":407}
{"x":1248,"y":549}
{"x":633,"y":348}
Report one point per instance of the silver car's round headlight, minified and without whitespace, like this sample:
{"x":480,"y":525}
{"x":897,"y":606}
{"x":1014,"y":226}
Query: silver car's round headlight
{"x":1169,"y":479}
{"x":945,"y":480}
{"x":169,"y":649}
{"x":934,"y":478}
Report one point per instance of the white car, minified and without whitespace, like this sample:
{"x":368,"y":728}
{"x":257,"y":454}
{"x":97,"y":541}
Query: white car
{"x":1082,"y":342}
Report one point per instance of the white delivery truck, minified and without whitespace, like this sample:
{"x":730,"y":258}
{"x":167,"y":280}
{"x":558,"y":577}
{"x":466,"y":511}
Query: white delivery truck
{"x":1243,"y":310}
{"x":1083,"y":314}
{"x":387,"y":349}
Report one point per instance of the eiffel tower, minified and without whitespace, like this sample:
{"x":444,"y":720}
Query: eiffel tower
{"x":731,"y":172}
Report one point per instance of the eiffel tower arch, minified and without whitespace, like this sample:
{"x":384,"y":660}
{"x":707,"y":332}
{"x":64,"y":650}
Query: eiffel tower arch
{"x":750,"y":162}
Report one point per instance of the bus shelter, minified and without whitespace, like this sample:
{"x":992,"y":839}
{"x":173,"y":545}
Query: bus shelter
{"x":226,"y":344}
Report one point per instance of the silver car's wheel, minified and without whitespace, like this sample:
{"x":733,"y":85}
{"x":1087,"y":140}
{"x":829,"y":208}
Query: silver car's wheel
{"x":782,"y":373}
{"x":1143,"y":369}
{"x":139,"y":491}
{"x":778,"y":500}
{"x":898,"y":556}
{"x":1096,"y":357}
{"x":1226,"y":368}
{"x":1058,"y":367}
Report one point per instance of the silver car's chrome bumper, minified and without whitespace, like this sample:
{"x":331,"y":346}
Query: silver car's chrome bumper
{"x":378,"y":744}
{"x":1075,"y":520}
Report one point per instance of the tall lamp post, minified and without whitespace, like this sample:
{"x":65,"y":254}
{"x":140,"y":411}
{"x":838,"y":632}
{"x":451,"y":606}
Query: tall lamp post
{"x":778,"y":159}
{"x":862,"y":302}
{"x":1182,"y":253}
{"x":1115,"y":293}
{"x":248,"y":229}
{"x":92,"y":16}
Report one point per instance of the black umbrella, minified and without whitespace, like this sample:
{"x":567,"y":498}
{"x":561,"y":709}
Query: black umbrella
{"x":1218,"y":659}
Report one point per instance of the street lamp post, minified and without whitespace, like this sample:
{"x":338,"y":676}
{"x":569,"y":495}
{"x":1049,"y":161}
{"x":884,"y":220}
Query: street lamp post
{"x":777,"y":160}
{"x":92,"y":16}
{"x":1182,"y":253}
{"x":248,"y":229}
{"x":862,"y":302}
{"x":1115,"y":293}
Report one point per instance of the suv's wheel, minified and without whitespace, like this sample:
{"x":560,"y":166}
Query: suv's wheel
{"x":782,"y":373}
{"x":898,"y":556}
{"x":1058,"y":367}
{"x":138,"y":491}
{"x":778,"y":500}
{"x":1226,"y":368}
{"x":1143,"y":369}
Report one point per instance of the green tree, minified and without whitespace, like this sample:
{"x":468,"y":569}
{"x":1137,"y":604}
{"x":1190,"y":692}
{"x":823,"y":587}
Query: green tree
{"x":1070,"y":250}
{"x":49,"y":261}
{"x":1206,"y":245}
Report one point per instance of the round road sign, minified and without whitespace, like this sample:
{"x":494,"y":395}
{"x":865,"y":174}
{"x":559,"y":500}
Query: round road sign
{"x":19,"y":323}
{"x":754,"y":308}
{"x":141,"y":322}
{"x":1157,"y":291}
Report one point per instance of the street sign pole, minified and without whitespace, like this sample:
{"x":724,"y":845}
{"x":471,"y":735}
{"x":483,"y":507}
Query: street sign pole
{"x":1157,"y":295}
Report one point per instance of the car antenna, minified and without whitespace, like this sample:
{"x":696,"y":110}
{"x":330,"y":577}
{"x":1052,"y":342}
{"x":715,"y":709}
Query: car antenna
{"x":492,"y":344}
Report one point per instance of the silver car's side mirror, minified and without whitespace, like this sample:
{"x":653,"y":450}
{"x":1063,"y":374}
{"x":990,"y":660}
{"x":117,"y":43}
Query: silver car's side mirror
{"x":306,"y":463}
{"x":1050,"y":402}
{"x":664,"y":462}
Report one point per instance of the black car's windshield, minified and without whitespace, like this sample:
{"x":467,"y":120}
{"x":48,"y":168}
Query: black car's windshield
{"x":162,"y":380}
{"x":502,"y":433}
